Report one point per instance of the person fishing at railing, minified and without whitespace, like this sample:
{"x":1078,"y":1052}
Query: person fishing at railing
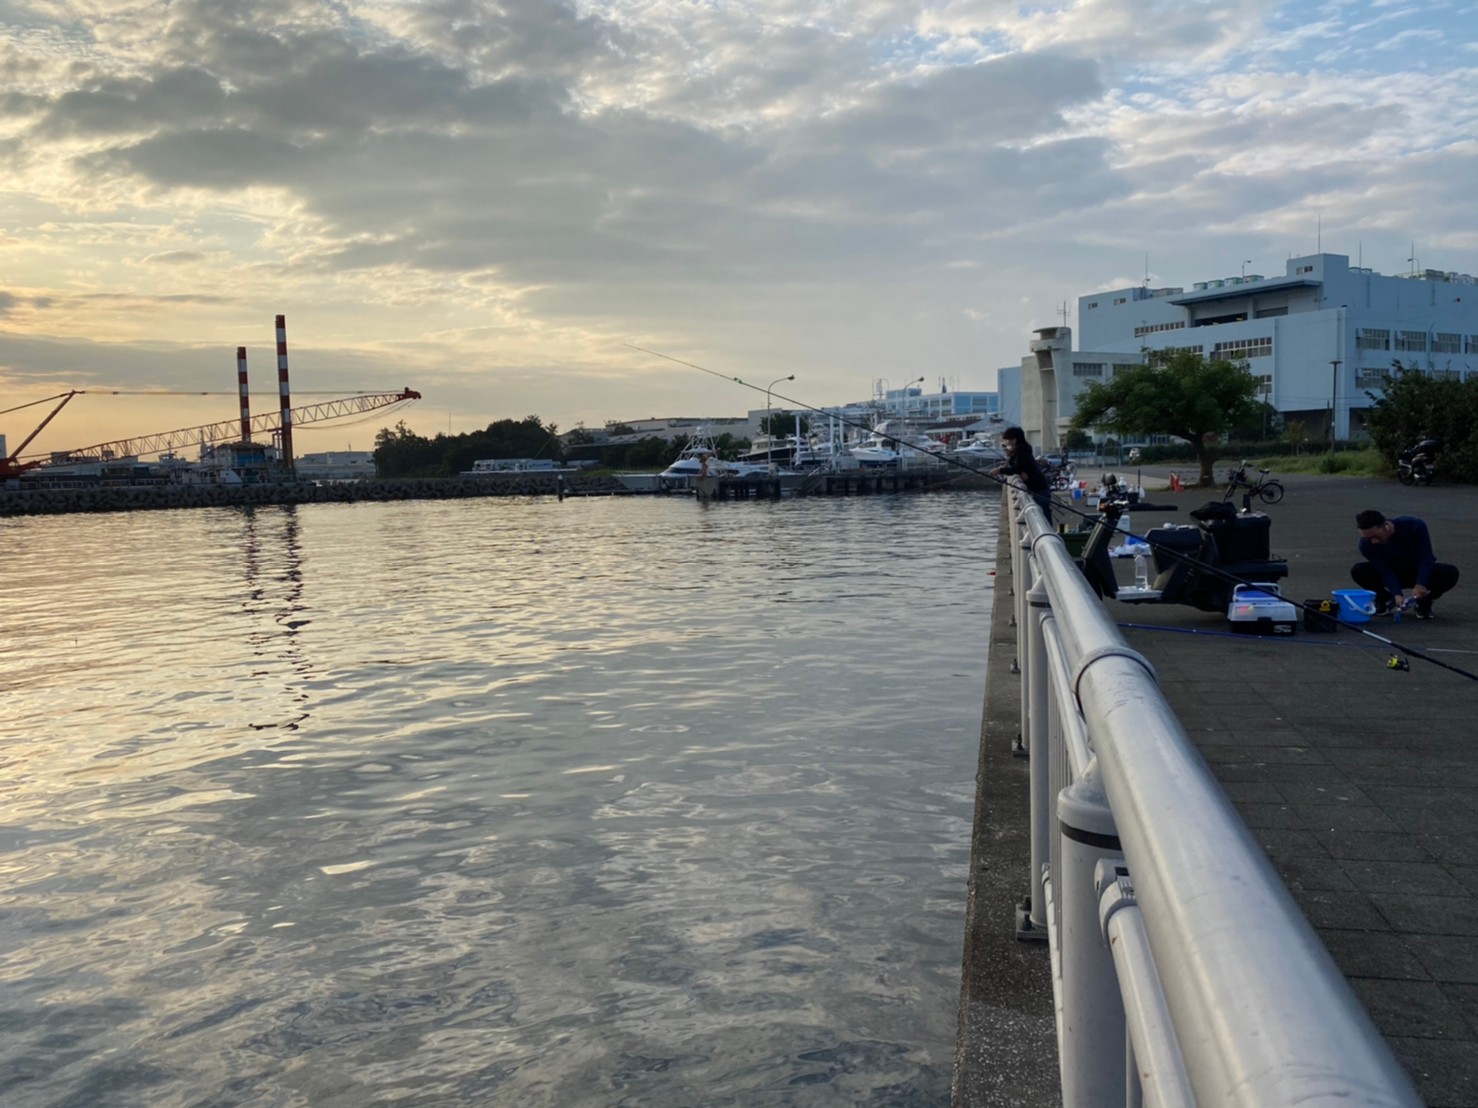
{"x":1398,"y":556}
{"x":1022,"y":462}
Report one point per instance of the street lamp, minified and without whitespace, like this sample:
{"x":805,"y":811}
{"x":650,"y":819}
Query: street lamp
{"x":1334,"y":365}
{"x":770,"y":418}
{"x":1245,"y":264}
{"x":903,"y":398}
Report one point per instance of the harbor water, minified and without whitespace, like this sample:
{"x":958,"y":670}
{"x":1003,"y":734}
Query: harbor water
{"x":632,"y":801}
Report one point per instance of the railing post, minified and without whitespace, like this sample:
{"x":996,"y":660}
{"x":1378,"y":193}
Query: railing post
{"x":1092,"y":1051}
{"x":1035,"y":727}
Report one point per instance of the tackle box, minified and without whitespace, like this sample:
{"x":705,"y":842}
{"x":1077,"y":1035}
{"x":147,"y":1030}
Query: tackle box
{"x":1261,"y":610}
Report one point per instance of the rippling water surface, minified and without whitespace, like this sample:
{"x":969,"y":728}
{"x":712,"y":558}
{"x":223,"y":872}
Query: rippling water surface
{"x":616,"y":801}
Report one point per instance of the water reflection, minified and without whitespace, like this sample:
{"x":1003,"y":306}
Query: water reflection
{"x":273,"y":563}
{"x":491,"y":813}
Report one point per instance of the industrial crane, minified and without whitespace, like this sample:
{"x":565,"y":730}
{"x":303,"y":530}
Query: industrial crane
{"x":225,"y":430}
{"x":12,"y":466}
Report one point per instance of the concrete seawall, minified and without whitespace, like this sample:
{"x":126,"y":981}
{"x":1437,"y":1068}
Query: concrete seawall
{"x":123,"y":498}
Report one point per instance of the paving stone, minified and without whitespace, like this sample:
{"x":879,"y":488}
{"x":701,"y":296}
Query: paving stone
{"x":1374,"y":954}
{"x":1429,"y":915}
{"x":1403,"y":878}
{"x":1445,"y":1070}
{"x":1411,"y":1009}
{"x":1373,"y":846}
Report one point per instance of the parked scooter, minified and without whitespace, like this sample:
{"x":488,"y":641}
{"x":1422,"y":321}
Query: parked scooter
{"x":1198,"y":565}
{"x":1417,"y":465}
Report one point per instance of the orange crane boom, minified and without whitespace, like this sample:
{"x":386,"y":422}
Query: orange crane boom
{"x":13,"y":466}
{"x":230,"y":429}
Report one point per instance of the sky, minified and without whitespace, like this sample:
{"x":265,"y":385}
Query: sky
{"x":496,"y":203}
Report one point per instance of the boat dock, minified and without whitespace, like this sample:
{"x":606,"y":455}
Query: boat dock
{"x":856,"y":482}
{"x":1355,"y":777}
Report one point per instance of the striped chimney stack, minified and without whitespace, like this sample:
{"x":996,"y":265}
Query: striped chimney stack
{"x":245,"y":396}
{"x":287,"y":411}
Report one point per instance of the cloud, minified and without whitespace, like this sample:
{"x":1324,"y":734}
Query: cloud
{"x":852,"y":186}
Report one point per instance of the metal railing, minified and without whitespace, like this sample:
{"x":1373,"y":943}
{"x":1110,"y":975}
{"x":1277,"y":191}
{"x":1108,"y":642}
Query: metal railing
{"x":1183,"y":971}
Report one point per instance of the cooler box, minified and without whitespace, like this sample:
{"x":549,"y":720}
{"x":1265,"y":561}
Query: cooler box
{"x":1170,"y":540}
{"x":1243,"y":538}
{"x":1261,"y":610}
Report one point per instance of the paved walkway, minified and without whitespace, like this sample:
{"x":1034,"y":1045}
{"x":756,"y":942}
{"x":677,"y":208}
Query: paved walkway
{"x":1361,"y":782}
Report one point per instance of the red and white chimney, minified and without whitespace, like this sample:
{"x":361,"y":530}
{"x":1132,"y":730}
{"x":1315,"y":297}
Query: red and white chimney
{"x":287,"y":411}
{"x":245,"y":396}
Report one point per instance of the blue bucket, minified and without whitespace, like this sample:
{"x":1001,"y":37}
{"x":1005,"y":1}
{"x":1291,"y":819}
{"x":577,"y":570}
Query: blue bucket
{"x":1355,"y":605}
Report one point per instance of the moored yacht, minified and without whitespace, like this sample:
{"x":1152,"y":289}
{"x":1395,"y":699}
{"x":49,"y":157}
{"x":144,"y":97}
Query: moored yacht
{"x":699,"y":458}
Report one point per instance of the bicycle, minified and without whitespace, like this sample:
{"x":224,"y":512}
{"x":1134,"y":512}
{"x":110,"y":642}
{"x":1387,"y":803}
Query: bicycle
{"x":1264,"y":487}
{"x":1061,"y":477}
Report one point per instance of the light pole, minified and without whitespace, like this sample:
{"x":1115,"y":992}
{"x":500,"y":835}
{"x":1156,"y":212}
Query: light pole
{"x":1245,"y":264}
{"x":903,"y":398}
{"x":1334,"y":365}
{"x":770,"y":418}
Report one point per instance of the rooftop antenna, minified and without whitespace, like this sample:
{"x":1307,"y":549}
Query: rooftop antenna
{"x":1062,"y":311}
{"x":1146,"y":269}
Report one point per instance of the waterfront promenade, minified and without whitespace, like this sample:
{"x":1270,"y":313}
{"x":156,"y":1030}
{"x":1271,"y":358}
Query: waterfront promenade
{"x":1358,"y":780}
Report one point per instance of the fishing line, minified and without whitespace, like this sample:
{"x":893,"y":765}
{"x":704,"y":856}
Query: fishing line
{"x":1192,"y":560}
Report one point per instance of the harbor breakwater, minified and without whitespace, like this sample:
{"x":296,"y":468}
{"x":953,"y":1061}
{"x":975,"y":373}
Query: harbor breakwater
{"x":123,"y":498}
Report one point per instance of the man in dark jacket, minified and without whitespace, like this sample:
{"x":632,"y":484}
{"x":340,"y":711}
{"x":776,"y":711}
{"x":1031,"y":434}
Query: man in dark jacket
{"x":1021,"y":462}
{"x":1398,"y":556}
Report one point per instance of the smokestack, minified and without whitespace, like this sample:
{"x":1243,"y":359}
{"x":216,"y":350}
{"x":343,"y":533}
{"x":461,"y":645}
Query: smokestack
{"x":287,"y":410}
{"x":245,"y":396}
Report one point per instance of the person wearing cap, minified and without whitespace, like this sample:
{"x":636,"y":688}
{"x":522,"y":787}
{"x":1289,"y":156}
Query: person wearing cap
{"x":1399,"y":559}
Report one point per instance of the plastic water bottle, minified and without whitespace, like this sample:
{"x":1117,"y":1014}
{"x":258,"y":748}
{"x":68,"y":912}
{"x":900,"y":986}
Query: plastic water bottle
{"x":1141,"y":573}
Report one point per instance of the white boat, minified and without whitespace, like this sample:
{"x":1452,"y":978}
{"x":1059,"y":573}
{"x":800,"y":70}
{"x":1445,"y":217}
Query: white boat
{"x":981,"y":448}
{"x":786,"y":451}
{"x":699,"y":458}
{"x":884,"y":447}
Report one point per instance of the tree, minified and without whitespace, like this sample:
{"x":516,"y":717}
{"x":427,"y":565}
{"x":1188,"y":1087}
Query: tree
{"x":1077,"y":441}
{"x":1181,"y":394}
{"x":1415,"y":405}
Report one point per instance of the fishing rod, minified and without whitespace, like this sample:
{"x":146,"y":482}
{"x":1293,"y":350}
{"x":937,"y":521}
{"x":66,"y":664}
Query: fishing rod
{"x":1396,"y":661}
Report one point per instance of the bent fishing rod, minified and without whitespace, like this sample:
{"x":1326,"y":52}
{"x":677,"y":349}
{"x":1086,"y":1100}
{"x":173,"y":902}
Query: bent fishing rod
{"x":1057,"y":503}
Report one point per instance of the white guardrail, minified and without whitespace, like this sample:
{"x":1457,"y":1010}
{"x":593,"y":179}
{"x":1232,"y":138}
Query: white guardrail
{"x":1183,"y":971}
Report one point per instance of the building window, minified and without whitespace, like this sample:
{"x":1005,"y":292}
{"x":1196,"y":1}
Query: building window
{"x":1121,"y":300}
{"x":1269,"y":313}
{"x":1094,"y":304}
{"x":1264,"y":383}
{"x":1174,"y":350}
{"x":1446,"y":343}
{"x":1370,"y":379}
{"x":1411,"y":340}
{"x":1087,"y":369}
{"x":1369,"y":338}
{"x":1121,"y":367}
{"x":1244,"y":348}
{"x":1471,"y":346}
{"x":1304,"y":269}
{"x":1156,"y":328}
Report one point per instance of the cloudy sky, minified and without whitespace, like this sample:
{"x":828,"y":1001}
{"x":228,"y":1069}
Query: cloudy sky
{"x":493,"y":202}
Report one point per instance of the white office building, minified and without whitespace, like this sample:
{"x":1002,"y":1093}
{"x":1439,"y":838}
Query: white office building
{"x":1318,"y":339}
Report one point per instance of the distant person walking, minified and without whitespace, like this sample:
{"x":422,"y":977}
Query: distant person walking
{"x":1021,"y":462}
{"x":1398,"y":557}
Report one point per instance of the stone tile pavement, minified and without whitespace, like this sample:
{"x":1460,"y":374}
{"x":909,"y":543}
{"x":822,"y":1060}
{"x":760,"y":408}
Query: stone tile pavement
{"x":1361,"y":781}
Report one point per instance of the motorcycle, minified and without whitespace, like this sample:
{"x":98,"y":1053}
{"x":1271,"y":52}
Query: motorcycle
{"x":1417,"y":465}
